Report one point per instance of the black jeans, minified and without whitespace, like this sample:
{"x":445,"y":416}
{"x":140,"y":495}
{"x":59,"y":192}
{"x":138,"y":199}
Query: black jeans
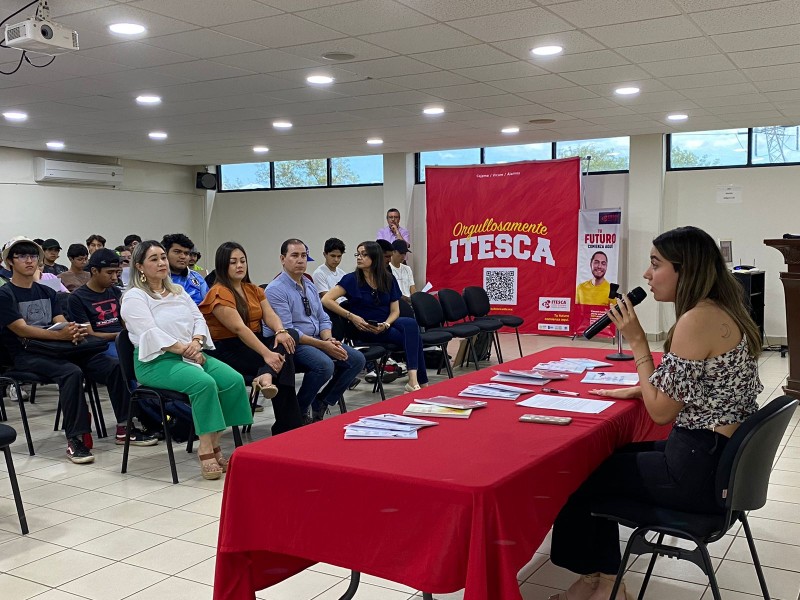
{"x":677,"y":473}
{"x":68,"y":375}
{"x":246,"y":361}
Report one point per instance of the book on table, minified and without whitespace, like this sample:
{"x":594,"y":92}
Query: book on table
{"x":448,"y":402}
{"x":431,"y":410}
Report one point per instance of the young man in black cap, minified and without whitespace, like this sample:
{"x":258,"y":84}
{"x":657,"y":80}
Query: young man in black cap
{"x":52,"y":250}
{"x":97,"y":303}
{"x":402,"y":272}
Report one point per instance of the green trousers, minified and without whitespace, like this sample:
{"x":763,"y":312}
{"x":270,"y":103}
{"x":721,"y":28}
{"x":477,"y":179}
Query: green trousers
{"x":217,"y":392}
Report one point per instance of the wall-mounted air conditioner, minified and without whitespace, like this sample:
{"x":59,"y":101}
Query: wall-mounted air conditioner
{"x":48,"y":170}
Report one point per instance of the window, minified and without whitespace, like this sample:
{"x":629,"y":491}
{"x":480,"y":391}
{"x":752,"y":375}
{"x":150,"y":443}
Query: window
{"x":312,"y":172}
{"x":503,"y":154}
{"x":357,"y":170}
{"x":249,"y":176}
{"x":722,"y":148}
{"x":466,"y":156}
{"x":608,"y":154}
{"x":775,"y":145}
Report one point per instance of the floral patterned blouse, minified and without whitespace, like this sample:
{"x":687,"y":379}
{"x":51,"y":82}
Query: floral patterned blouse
{"x":720,"y":390}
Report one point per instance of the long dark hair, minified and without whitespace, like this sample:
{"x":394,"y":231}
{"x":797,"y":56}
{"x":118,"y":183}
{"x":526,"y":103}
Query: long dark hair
{"x":222,"y":262}
{"x":380,"y":274}
{"x":702,"y":274}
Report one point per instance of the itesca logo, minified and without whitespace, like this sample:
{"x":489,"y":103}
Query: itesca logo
{"x":554,"y":304}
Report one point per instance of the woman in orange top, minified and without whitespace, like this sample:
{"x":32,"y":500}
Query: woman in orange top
{"x":234,"y":309}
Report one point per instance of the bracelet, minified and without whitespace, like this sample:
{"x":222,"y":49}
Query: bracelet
{"x":643,"y":360}
{"x":388,"y":325}
{"x":280,"y":331}
{"x":198,"y":340}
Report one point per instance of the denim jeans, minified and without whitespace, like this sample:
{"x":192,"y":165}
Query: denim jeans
{"x":320,"y":368}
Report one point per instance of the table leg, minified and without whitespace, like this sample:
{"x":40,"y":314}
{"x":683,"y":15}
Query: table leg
{"x":355,"y":578}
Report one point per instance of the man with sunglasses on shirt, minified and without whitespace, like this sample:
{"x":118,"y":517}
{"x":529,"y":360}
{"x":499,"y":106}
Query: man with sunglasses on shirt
{"x":321,"y":357}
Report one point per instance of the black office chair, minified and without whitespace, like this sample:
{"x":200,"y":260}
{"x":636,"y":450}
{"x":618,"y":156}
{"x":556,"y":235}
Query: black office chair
{"x":479,"y":315}
{"x":125,"y":352}
{"x":742,"y":481}
{"x":455,"y":311}
{"x":431,"y":319}
{"x":479,"y":307}
{"x":431,"y":339}
{"x":7,"y":437}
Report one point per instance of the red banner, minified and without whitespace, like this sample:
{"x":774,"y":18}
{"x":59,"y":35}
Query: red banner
{"x":511,"y":229}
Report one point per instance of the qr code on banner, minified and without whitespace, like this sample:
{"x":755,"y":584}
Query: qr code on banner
{"x":501,"y":285}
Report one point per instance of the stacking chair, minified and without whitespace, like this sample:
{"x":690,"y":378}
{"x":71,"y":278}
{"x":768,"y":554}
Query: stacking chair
{"x":455,"y":310}
{"x":431,"y":339}
{"x":90,"y":391}
{"x":431,"y":319}
{"x":7,"y":437}
{"x":479,"y":306}
{"x":741,"y":484}
{"x":480,"y":316}
{"x":125,"y":352}
{"x":16,"y":379}
{"x":376,"y":353}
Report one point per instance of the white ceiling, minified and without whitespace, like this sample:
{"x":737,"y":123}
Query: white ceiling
{"x":227,"y":68}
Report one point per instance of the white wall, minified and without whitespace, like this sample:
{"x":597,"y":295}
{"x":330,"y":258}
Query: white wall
{"x":154,"y":199}
{"x":769,"y":209}
{"x":261,"y":221}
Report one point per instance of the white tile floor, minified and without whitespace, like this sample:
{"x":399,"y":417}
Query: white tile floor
{"x":101,"y":535}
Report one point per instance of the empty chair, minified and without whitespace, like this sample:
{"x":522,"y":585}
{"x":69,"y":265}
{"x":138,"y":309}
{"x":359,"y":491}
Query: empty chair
{"x":455,"y":310}
{"x":741,"y":484}
{"x":7,"y":437}
{"x":431,"y":318}
{"x":431,"y":339}
{"x":479,"y":306}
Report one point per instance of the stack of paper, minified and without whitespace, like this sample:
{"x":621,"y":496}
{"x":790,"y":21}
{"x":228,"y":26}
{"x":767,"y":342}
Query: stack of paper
{"x":448,"y":402}
{"x":561,"y":366}
{"x":568,"y":404}
{"x":606,"y":378}
{"x":498,"y":391}
{"x":587,"y":362}
{"x":432,"y":410}
{"x":529,"y":378}
{"x":388,"y":426}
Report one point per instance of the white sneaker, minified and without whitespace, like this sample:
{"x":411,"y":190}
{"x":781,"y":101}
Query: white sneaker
{"x":12,"y":393}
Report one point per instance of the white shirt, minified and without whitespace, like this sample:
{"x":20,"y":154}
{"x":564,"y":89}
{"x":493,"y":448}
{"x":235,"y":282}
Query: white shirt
{"x":155,"y":324}
{"x":325,"y":279}
{"x":405,"y":278}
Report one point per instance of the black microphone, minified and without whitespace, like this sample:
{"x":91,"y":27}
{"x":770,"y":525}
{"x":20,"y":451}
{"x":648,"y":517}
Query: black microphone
{"x":635,"y":296}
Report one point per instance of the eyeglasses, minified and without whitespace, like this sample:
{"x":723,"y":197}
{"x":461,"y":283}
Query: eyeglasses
{"x":27,"y":257}
{"x":360,"y":255}
{"x":306,"y":306}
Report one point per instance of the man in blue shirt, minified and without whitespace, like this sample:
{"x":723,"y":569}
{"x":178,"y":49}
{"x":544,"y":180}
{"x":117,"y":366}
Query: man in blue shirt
{"x":321,"y":357}
{"x":178,"y":247}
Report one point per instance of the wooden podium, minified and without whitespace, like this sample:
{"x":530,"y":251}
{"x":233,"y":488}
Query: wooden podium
{"x":791,"y":289}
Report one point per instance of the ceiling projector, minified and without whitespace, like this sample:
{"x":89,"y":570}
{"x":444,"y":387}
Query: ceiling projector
{"x":41,"y":36}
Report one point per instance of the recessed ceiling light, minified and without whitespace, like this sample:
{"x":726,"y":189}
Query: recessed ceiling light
{"x":626,"y":91}
{"x":677,"y":117}
{"x":54,"y":145}
{"x":541,"y":121}
{"x":15,"y":115}
{"x":338,"y":56}
{"x":510,"y":130}
{"x":148,"y":99}
{"x":433,"y":110}
{"x":374,"y":141}
{"x":260,"y":149}
{"x":547,"y":50}
{"x":157,"y":135}
{"x":320,"y":79}
{"x":281,"y":124}
{"x":126,"y":28}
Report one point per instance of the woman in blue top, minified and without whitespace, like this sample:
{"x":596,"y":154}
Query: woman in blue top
{"x":374,"y":309}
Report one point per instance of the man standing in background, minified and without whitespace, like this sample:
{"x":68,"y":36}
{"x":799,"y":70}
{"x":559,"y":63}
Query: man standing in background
{"x":393,"y":231}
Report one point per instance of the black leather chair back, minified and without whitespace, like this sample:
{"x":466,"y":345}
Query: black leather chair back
{"x":125,"y":353}
{"x":746,"y":462}
{"x":427,"y":310}
{"x":453,"y":306}
{"x":406,"y":310}
{"x":477,"y":301}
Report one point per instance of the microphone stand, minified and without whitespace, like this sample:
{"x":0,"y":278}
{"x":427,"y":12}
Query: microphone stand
{"x":619,"y":354}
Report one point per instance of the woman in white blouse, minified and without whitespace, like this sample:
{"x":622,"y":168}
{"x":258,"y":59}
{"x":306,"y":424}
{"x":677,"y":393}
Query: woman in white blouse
{"x":170,"y":334}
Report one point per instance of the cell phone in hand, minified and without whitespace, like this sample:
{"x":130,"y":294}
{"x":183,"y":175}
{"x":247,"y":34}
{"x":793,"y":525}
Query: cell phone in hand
{"x":373,"y":323}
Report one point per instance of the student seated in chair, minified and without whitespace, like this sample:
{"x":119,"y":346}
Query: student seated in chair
{"x":179,"y":247}
{"x":707,"y":385}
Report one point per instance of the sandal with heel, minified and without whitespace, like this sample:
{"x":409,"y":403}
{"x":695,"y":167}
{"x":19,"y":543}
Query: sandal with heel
{"x":269,"y":391}
{"x":206,"y":470}
{"x":222,"y":462}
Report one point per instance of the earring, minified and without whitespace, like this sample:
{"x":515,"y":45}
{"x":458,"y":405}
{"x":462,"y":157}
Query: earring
{"x":143,"y":276}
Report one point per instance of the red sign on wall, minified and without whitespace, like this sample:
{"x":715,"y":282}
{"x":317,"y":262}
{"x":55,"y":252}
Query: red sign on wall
{"x":511,"y":229}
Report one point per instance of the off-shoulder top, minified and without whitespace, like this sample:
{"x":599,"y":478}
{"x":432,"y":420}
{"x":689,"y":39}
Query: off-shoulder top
{"x":720,"y":390}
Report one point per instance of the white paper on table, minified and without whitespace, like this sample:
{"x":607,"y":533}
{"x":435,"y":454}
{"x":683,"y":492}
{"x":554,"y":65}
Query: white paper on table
{"x":588,"y":362}
{"x":365,"y":433}
{"x":504,"y":388}
{"x":378,"y":424}
{"x":561,"y":367}
{"x":523,"y":379}
{"x":401,"y":419}
{"x":475,"y":391}
{"x":568,"y":404}
{"x":609,"y":378}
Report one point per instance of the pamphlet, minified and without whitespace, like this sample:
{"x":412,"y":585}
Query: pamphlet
{"x":387,"y":426}
{"x":609,"y":378}
{"x":567,"y":403}
{"x":437,"y":411}
{"x":451,"y":402}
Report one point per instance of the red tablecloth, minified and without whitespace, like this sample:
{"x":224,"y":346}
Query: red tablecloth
{"x":464,"y":506}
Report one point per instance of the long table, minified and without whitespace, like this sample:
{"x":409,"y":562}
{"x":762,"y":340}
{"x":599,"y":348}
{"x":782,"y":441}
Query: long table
{"x":464,"y":506}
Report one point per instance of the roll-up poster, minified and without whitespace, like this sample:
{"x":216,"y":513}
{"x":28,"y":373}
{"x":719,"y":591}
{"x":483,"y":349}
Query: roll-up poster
{"x":598,"y":267}
{"x":511,"y":229}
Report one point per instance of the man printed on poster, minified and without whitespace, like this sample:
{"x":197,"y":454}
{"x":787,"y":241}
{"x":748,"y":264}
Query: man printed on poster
{"x":596,"y":290}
